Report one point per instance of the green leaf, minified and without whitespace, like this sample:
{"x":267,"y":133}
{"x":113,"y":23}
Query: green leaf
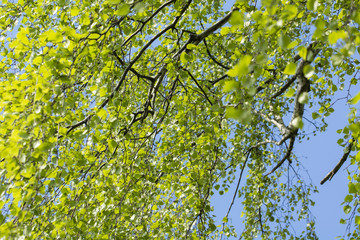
{"x":53,"y":36}
{"x":45,"y":146}
{"x":355,"y":99}
{"x":304,"y":98}
{"x":290,"y":11}
{"x":102,"y":113}
{"x":185,"y":58}
{"x":290,"y":69}
{"x":123,"y":10}
{"x":290,"y":92}
{"x":242,"y":68}
{"x":312,"y":5}
{"x":352,"y":188}
{"x":224,"y":31}
{"x":112,"y":2}
{"x":237,"y":18}
{"x":308,"y":71}
{"x":112,"y":145}
{"x":230,"y":86}
{"x":315,"y":115}
{"x":139,"y":7}
{"x":297,"y":123}
{"x":284,"y":41}
{"x":347,"y":209}
{"x":354,"y":128}
{"x":191,"y":46}
{"x":239,"y":114}
{"x":357,"y":220}
{"x":233,"y":113}
{"x":336,"y":35}
{"x":302,"y":52}
{"x":349,"y":198}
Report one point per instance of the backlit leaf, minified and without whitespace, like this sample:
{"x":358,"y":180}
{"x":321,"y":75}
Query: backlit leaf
{"x":290,"y":69}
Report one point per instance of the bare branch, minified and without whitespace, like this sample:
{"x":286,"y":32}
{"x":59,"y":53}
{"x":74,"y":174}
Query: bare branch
{"x":330,"y":175}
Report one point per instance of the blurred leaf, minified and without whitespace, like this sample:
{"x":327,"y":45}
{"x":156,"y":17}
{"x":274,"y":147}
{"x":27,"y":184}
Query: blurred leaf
{"x":297,"y":122}
{"x":308,"y":71}
{"x":347,"y":209}
{"x":123,"y":9}
{"x":290,"y":92}
{"x":290,"y":69}
{"x":355,"y":99}
{"x":237,"y":18}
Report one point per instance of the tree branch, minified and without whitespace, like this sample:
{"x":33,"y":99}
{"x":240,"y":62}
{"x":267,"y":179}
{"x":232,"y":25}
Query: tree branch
{"x":213,"y":58}
{"x":281,"y":126}
{"x":197,"y":84}
{"x":132,"y":69}
{"x":330,"y":175}
{"x":286,"y":157}
{"x":197,"y":38}
{"x":146,"y":21}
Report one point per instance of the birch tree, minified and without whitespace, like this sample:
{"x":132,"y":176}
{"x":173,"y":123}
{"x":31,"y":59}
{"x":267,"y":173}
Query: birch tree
{"x":121,"y":119}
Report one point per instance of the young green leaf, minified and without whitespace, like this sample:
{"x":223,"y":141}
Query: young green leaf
{"x":290,"y":69}
{"x":237,"y":18}
{"x":289,"y":93}
{"x":355,"y":99}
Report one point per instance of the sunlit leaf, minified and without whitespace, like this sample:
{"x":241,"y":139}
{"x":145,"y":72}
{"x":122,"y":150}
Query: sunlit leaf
{"x":237,"y":18}
{"x":297,"y":122}
{"x":123,"y":9}
{"x":289,"y":93}
{"x":308,"y":71}
{"x":290,"y":69}
{"x":355,"y":99}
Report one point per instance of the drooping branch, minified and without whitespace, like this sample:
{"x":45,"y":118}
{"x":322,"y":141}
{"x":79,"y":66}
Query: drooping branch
{"x":247,"y":155}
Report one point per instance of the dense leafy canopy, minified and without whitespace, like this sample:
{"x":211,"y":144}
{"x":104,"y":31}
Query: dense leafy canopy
{"x":121,"y":118}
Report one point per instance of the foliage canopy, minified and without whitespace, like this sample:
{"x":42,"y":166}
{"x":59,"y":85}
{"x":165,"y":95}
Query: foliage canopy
{"x":121,"y":118}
